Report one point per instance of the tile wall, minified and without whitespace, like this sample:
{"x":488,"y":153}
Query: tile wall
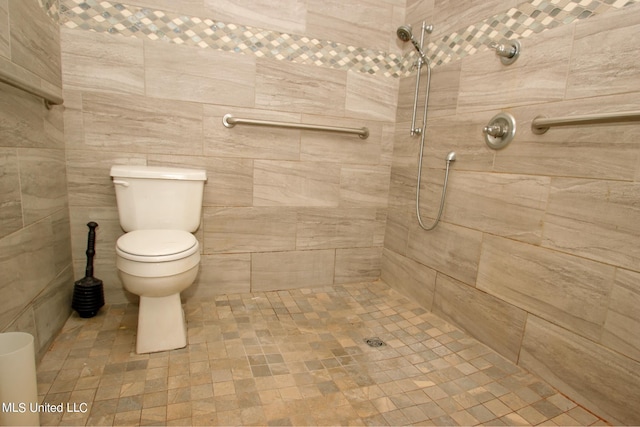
{"x":537,"y":240}
{"x":282,"y":208}
{"x":36,"y":275}
{"x":537,"y":254}
{"x":157,"y":96}
{"x":318,"y":34}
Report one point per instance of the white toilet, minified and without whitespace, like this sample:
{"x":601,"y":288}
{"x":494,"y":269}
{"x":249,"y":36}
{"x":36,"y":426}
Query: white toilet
{"x":158,"y":257}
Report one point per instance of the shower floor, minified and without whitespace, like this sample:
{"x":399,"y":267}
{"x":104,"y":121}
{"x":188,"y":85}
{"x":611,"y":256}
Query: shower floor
{"x":295,"y":357}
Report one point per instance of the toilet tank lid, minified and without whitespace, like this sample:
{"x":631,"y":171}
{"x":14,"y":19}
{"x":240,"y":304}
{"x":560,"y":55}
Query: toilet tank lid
{"x":158,"y":172}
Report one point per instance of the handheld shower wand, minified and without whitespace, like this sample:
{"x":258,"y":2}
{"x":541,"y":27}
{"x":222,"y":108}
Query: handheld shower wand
{"x":405,"y":34}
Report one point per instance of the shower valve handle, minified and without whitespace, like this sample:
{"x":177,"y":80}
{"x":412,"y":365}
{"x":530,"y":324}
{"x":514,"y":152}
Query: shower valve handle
{"x":500,"y":130}
{"x":495,"y":131}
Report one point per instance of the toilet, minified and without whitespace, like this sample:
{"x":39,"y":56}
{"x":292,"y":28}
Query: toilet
{"x":158,"y":257}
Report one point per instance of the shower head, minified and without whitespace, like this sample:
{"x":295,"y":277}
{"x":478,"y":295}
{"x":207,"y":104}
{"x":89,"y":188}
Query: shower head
{"x":405,"y":34}
{"x":451,"y":157}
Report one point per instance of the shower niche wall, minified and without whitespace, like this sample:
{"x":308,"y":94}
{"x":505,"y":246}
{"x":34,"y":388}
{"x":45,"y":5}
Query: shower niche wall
{"x":535,"y":252}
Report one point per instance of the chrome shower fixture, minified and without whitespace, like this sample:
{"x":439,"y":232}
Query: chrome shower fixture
{"x":405,"y":33}
{"x":508,"y":53}
{"x":500,"y":131}
{"x":451,"y":157}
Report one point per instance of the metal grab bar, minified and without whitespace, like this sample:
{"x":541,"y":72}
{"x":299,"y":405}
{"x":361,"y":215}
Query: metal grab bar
{"x":229,"y":121}
{"x":49,"y":98}
{"x":541,"y":124}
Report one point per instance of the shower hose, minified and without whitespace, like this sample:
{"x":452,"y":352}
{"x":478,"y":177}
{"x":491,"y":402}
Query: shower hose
{"x":450,"y":158}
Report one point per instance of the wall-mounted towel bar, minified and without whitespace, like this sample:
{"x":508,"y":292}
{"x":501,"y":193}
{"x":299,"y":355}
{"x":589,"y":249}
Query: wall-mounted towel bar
{"x":541,"y":124}
{"x":229,"y":121}
{"x":49,"y":98}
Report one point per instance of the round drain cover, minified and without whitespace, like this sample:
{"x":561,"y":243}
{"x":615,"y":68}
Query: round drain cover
{"x":374,"y":342}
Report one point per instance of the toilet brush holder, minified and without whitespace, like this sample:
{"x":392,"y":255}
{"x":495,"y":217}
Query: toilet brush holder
{"x":88,"y":292}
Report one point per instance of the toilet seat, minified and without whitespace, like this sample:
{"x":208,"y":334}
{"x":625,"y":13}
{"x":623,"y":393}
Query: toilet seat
{"x":156,"y":245}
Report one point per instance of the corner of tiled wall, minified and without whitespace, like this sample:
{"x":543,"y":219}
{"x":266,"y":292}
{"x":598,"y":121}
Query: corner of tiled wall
{"x":37,"y":277}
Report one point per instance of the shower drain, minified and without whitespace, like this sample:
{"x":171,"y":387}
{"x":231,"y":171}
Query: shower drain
{"x":374,"y":342}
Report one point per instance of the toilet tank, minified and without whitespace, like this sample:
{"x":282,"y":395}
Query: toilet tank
{"x":154,"y":197}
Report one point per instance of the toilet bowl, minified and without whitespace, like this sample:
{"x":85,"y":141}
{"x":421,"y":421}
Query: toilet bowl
{"x":158,"y":257}
{"x":157,"y":265}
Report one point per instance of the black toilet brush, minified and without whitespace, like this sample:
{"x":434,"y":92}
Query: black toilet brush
{"x":88,"y":293}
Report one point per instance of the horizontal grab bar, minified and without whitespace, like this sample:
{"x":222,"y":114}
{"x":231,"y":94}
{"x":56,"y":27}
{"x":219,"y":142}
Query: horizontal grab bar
{"x":49,"y":98}
{"x":541,"y":124}
{"x":229,"y":121}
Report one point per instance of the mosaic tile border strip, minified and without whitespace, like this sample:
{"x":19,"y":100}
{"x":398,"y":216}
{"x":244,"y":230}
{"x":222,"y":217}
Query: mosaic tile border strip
{"x":528,"y":18}
{"x":51,"y":8}
{"x":117,"y":18}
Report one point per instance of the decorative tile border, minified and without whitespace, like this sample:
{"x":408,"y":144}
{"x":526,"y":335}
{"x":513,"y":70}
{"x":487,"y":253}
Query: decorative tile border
{"x":530,"y":17}
{"x":51,"y":8}
{"x":117,"y":18}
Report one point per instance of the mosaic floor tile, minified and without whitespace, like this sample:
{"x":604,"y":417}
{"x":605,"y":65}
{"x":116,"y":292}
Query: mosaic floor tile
{"x":296,"y":357}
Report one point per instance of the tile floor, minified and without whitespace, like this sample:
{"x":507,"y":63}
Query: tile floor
{"x":295,"y":357}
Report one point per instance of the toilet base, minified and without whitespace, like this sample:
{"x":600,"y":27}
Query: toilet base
{"x":161,"y":324}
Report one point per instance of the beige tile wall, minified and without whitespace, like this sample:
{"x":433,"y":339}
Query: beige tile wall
{"x":36,"y":276}
{"x":537,"y":254}
{"x":34,"y":40}
{"x":603,"y":380}
{"x":537,"y":243}
{"x":362,"y":24}
{"x":5,"y":47}
{"x":282,"y":208}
